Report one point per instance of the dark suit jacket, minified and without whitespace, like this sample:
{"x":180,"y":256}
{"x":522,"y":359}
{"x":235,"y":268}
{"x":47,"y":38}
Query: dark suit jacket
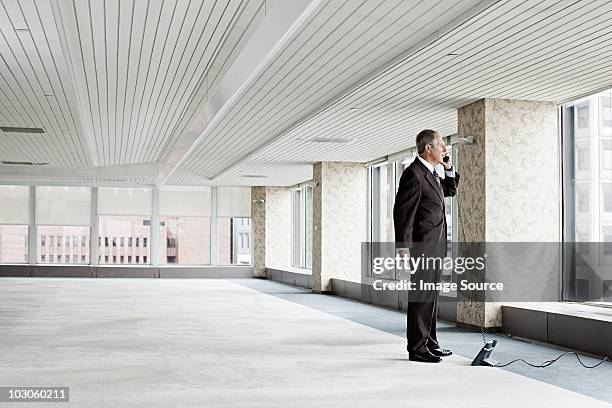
{"x":418,"y":213}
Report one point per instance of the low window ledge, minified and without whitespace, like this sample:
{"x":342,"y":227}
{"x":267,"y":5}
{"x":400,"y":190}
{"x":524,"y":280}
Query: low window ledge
{"x":577,"y":326}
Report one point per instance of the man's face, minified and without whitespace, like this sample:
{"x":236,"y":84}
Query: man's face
{"x":437,"y":149}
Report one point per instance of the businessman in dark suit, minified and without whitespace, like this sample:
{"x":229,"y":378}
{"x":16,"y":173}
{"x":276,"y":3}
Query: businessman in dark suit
{"x":420,"y":228}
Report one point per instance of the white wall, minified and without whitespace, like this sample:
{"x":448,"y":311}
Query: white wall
{"x":340,"y":216}
{"x":522,"y":171}
{"x":278,"y":228}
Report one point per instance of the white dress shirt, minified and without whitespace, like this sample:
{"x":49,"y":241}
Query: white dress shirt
{"x":439,"y":168}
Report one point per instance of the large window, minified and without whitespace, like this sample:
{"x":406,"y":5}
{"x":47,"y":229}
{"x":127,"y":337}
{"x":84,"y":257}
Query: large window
{"x":184,"y":226}
{"x":14,"y":221}
{"x":380,"y":222}
{"x":124,"y":225}
{"x":587,"y":187}
{"x":301,"y":222}
{"x":234,"y":225}
{"x":189,"y":224}
{"x":63,"y":217}
{"x":380,"y":225}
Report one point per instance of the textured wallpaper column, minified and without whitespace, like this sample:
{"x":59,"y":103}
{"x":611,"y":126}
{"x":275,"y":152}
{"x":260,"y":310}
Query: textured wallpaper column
{"x":339,"y":215}
{"x":471,"y":197}
{"x":258,"y":230}
{"x":509,"y":188}
{"x":471,"y":122}
{"x":317,"y":202}
{"x":278,"y":228}
{"x":522,"y":146}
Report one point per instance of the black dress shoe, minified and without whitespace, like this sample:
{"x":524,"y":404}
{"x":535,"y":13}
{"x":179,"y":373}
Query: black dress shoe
{"x":440,"y":352}
{"x":425,"y":357}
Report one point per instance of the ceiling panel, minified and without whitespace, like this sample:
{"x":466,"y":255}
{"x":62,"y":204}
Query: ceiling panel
{"x":547,"y":50}
{"x":118,"y":84}
{"x":141,"y":67}
{"x":340,"y":43}
{"x":35,"y":89}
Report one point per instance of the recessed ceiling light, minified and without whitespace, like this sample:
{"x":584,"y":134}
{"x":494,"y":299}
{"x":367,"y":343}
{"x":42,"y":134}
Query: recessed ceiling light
{"x":22,"y":30}
{"x":452,"y":54}
{"x":329,"y":140}
{"x":354,"y":108}
{"x":12,"y":129}
{"x":23,"y":163}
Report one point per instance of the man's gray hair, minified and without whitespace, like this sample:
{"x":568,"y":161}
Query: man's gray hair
{"x":424,"y":138}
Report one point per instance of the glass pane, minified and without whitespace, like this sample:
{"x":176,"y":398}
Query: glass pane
{"x":185,"y":203}
{"x":63,"y":205}
{"x":14,"y":206}
{"x":380,"y":200}
{"x":234,"y":244}
{"x":234,"y":201}
{"x":448,"y":205}
{"x":123,"y":201}
{"x":308,"y":229}
{"x":587,"y":175}
{"x":56,"y":244}
{"x":13,"y":243}
{"x":184,"y":240}
{"x":297,"y":232}
{"x":134,"y":230}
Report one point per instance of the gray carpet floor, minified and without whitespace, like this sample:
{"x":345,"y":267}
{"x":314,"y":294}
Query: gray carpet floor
{"x":220,"y":343}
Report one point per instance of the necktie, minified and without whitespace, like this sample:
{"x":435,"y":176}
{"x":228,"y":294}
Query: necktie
{"x":436,"y":177}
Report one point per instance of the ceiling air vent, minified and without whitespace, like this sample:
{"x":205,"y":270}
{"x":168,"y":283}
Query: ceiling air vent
{"x":23,"y":163}
{"x":114,"y":179}
{"x":254,"y":176}
{"x":10,"y":129}
{"x":329,"y":140}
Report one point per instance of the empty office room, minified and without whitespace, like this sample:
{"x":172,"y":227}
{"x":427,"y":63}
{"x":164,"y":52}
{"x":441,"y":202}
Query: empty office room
{"x":305,"y":203}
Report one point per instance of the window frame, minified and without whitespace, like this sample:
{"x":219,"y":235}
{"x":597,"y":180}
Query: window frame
{"x":595,"y":221}
{"x":70,"y":245}
{"x":300,"y":233}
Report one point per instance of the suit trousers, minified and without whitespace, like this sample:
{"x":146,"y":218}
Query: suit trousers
{"x":423,"y":312}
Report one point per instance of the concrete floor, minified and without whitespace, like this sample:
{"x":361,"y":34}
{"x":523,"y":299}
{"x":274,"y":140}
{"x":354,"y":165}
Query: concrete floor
{"x":219,"y":343}
{"x":566,"y":373}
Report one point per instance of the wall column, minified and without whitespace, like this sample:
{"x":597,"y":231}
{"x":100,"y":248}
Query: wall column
{"x":339,"y":222}
{"x":32,"y":233}
{"x":95,"y":227}
{"x":510,"y":184}
{"x":155,"y":228}
{"x":258,"y":230}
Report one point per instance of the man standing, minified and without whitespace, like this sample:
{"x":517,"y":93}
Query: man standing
{"x":420,"y":225}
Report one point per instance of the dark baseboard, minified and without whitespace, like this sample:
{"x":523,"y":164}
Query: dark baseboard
{"x":149,"y":272}
{"x":301,"y":280}
{"x":582,"y":333}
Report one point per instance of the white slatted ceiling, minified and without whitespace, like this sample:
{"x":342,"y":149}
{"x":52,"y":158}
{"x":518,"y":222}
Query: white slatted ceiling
{"x":35,"y":90}
{"x":26,"y":147}
{"x":140,"y":64}
{"x":245,"y":23}
{"x":78,"y":180}
{"x":341,"y":43}
{"x":142,"y":69}
{"x":549,"y":50}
